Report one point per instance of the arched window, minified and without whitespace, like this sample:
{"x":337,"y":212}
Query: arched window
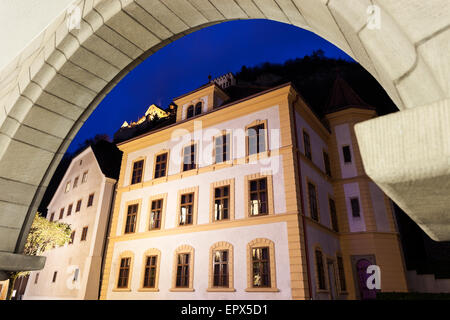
{"x":190,"y":112}
{"x":198,"y":108}
{"x":261,"y":266}
{"x":183,"y":269}
{"x":221,"y":267}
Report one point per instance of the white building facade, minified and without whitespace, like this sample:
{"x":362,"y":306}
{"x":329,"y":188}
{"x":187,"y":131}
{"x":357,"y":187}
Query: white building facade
{"x":83,"y":200}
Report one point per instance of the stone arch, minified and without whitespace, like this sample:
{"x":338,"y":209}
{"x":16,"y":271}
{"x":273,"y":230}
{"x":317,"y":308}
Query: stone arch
{"x":52,"y":87}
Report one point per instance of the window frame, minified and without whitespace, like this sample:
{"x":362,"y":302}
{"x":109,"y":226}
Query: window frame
{"x":142,"y":170}
{"x":270,"y":198}
{"x":90,"y":201}
{"x":61,"y":213}
{"x":258,"y":243}
{"x":125,"y":216}
{"x":231,"y":203}
{"x":196,"y":164}
{"x":84,"y":176}
{"x":341,"y":274}
{"x":69,"y":209}
{"x":75,"y":182}
{"x":221,"y":246}
{"x":193,"y":190}
{"x":84,"y":232}
{"x":230,"y":147}
{"x":78,"y":207}
{"x":351,"y":206}
{"x":307,"y":149}
{"x":155,"y":163}
{"x":68,"y":185}
{"x":183,"y":249}
{"x":266,"y":139}
{"x":317,"y":249}
{"x":334,"y":221}
{"x":162,"y":197}
{"x":310,"y":182}
{"x":149,"y":253}
{"x":124,"y":255}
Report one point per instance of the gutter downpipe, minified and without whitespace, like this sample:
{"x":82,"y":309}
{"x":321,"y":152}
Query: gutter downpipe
{"x":301,"y":200}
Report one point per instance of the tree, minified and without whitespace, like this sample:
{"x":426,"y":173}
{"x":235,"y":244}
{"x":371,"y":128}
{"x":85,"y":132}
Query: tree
{"x":44,"y":235}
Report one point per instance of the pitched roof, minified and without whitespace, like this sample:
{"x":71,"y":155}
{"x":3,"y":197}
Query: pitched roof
{"x":342,"y":96}
{"x":108,"y":157}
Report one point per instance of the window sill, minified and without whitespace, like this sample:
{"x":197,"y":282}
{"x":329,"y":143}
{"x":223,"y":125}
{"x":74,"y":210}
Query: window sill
{"x":221,"y":290}
{"x":121,"y":290}
{"x":182,"y":290}
{"x":148,"y":290}
{"x":262,"y":290}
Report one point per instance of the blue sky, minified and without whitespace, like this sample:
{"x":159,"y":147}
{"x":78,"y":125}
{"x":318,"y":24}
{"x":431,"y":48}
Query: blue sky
{"x":186,"y":63}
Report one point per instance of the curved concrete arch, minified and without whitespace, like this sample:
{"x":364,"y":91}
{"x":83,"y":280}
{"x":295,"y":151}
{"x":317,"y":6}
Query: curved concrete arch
{"x":52,"y":87}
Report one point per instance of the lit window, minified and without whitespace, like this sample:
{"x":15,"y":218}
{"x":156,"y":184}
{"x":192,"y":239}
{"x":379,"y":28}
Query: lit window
{"x":221,"y":203}
{"x":256,"y":139}
{"x":221,"y":269}
{"x":260,"y":268}
{"x":186,"y":209}
{"x":155,"y":214}
{"x":189,"y":157}
{"x":258,"y":197}
{"x":67,"y":187}
{"x":130,"y":225}
{"x":138,"y":167}
{"x":222,"y":148}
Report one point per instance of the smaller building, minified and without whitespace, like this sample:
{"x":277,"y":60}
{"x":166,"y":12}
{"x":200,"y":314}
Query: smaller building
{"x":83,"y":199}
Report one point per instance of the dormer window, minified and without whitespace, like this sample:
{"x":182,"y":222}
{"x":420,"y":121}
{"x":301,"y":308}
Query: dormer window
{"x":194,"y":111}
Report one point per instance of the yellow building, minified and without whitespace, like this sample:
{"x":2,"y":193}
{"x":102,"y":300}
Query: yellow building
{"x":250,"y":197}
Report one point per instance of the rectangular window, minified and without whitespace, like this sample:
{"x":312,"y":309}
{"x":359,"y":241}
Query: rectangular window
{"x":69,"y":209}
{"x":138,"y":167}
{"x":258,"y":197}
{"x":36,"y":279}
{"x":150,"y":272}
{"x":84,"y":178}
{"x":347,"y":154}
{"x":78,"y":208}
{"x":161,"y":165}
{"x":355,"y":207}
{"x":61,"y":213}
{"x":155,"y":214}
{"x":320,"y":270}
{"x":90,"y":200}
{"x":54,"y":276}
{"x":84,"y":234}
{"x":220,"y":268}
{"x":326,"y":161}
{"x":52,"y":216}
{"x":182,"y":280}
{"x":221,"y":203}
{"x":67,"y":187}
{"x":313,"y":208}
{"x":75,"y":183}
{"x":342,"y":283}
{"x":189,"y":157}
{"x":256,"y":139}
{"x":124,"y":273}
{"x":333,"y":215}
{"x":261,"y":267}
{"x":307,"y":145}
{"x":130,"y":225}
{"x":222,"y":148}
{"x":72,"y":237}
{"x":186,"y":209}
{"x":76,"y":274}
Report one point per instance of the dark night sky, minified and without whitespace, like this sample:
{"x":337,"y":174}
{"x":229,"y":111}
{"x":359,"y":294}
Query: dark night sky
{"x":186,"y":63}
